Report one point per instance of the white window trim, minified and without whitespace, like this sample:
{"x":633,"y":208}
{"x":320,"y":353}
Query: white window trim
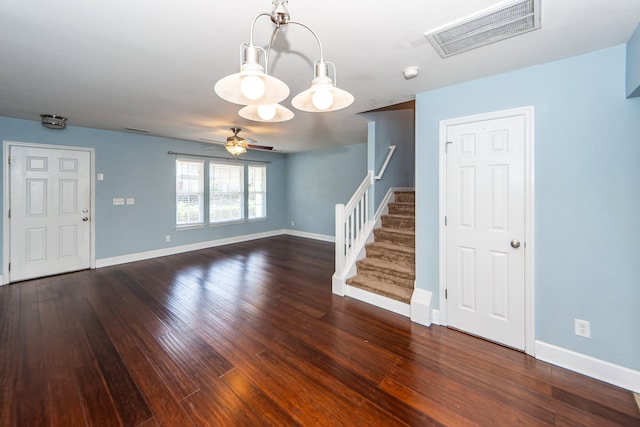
{"x":206,"y":199}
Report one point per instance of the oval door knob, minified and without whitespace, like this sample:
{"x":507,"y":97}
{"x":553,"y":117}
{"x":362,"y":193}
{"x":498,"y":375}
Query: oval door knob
{"x":515,"y":244}
{"x":85,"y":219}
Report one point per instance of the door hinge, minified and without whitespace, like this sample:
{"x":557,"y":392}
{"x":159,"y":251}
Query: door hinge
{"x":446,"y":294}
{"x":446,"y":146}
{"x":9,"y":267}
{"x":445,"y":220}
{"x":9,"y":159}
{"x":9,"y":213}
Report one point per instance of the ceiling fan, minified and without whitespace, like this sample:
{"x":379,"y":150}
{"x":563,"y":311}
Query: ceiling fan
{"x":237,"y":145}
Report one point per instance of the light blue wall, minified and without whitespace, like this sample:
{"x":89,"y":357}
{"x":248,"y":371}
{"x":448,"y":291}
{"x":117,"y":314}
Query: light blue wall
{"x":587,"y":195}
{"x":138,"y":166}
{"x":633,"y":64}
{"x":320,"y":179}
{"x":394,"y":127}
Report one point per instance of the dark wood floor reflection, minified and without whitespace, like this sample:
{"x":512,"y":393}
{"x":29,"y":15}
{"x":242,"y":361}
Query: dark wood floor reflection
{"x":249,"y":335}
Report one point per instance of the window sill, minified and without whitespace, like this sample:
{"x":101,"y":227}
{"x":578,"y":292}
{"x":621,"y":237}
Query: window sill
{"x":189,"y":227}
{"x":219,"y":224}
{"x":230,"y":222}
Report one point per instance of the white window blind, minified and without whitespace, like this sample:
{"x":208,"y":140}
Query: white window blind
{"x":257,"y":200}
{"x":189,"y":192}
{"x":226,"y":192}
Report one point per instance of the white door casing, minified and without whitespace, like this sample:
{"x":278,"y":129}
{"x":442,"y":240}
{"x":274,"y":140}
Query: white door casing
{"x":487,"y":199}
{"x":51,"y":203}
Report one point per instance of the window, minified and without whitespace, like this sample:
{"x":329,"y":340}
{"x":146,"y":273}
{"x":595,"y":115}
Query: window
{"x":226,"y":192}
{"x":189,"y":192}
{"x":217,"y":193}
{"x":257,"y":199}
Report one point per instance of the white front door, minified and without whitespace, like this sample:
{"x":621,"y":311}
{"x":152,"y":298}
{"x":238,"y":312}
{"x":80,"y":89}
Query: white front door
{"x":485,"y":210}
{"x":50,"y":201}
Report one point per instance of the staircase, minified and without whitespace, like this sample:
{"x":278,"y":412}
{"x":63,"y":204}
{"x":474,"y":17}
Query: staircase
{"x":389,"y":267}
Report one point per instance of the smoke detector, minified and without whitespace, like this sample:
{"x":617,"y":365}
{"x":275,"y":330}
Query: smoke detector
{"x":508,"y":20}
{"x":410,"y":73}
{"x":52,"y":121}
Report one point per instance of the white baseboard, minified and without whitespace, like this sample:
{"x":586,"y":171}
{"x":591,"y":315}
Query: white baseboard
{"x":590,"y":366}
{"x":435,"y":317}
{"x":314,"y":236}
{"x":174,"y":250}
{"x":421,"y":306}
{"x":338,"y":285}
{"x":141,"y":256}
{"x":379,"y":301}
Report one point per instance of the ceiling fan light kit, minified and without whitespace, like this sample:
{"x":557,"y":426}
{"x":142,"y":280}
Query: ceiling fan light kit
{"x":236,"y":145}
{"x":252,"y":86}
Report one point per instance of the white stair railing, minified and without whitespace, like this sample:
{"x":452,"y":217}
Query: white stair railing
{"x":392,"y":149}
{"x":353,"y":226}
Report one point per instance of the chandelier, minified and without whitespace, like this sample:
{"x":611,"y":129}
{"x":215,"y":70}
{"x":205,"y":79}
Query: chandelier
{"x":261,"y":93}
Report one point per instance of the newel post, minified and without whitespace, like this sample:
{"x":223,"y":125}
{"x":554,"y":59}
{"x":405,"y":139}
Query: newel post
{"x":338,"y":281}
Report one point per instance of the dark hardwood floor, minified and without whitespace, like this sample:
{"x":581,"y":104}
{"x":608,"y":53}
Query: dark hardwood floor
{"x":249,"y":335}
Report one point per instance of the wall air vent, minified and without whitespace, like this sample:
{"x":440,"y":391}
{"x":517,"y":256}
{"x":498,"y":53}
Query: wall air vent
{"x":508,"y":20}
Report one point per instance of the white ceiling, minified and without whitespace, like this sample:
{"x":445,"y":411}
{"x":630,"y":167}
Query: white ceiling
{"x":152,"y":64}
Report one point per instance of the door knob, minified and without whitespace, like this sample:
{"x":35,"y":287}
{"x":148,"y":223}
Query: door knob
{"x":85,"y":219}
{"x":515,"y":244}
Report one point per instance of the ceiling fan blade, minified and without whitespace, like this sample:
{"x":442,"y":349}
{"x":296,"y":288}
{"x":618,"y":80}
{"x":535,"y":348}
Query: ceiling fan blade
{"x":208,"y":144}
{"x":250,"y":143}
{"x":260,"y":147}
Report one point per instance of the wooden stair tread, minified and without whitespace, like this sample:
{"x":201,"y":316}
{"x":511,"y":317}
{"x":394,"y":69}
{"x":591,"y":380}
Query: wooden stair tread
{"x":407,"y":271}
{"x":398,"y":293}
{"x":400,"y":216}
{"x":396,"y":230}
{"x":391,"y":247}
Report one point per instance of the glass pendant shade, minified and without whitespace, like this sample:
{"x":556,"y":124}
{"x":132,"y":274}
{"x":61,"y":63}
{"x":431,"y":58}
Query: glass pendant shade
{"x":257,"y":113}
{"x":235,"y":148}
{"x":251,"y":85}
{"x":305,"y":100}
{"x":323,"y":95}
{"x":235,"y":144}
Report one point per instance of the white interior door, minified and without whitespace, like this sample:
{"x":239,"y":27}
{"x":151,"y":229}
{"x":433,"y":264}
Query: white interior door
{"x":50,"y":200}
{"x":485,"y":208}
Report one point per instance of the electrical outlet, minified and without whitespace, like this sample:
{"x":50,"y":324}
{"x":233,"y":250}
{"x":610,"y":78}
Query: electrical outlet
{"x":118,"y":201}
{"x":582,"y":328}
{"x":167,"y":238}
{"x":293,"y":224}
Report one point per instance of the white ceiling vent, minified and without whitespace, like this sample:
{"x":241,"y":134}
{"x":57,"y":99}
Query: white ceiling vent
{"x":508,"y":20}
